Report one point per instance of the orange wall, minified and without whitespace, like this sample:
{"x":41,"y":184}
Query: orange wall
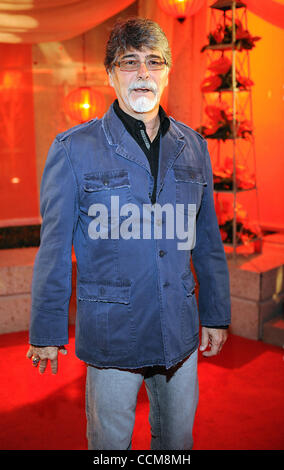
{"x":267,"y":71}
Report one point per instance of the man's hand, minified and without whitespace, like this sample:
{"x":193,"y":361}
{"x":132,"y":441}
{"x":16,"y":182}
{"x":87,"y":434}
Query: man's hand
{"x":41,"y":355}
{"x":213,"y":337}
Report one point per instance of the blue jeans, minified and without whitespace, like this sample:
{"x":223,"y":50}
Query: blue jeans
{"x":111,"y":398}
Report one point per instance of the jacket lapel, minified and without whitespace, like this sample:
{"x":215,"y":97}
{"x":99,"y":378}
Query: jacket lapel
{"x":171,"y":146}
{"x":124,"y":144}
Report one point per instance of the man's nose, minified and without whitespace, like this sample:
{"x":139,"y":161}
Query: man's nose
{"x":143,"y":71}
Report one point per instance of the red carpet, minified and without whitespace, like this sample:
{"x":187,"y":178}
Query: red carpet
{"x":241,"y":400}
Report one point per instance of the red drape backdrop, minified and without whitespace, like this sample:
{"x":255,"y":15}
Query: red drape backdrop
{"x":33,"y":21}
{"x":18,"y":193}
{"x":269,"y":10}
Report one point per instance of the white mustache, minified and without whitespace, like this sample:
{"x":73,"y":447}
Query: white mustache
{"x":143,"y":84}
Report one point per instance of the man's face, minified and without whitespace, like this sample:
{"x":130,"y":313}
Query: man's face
{"x":139,"y":91}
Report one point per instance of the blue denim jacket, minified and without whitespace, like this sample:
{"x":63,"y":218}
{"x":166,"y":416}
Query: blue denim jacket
{"x":136,"y":303}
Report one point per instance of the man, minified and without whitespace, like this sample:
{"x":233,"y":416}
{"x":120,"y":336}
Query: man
{"x":133,"y":193}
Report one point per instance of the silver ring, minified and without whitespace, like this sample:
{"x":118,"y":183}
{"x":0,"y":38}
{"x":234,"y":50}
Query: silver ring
{"x":35,"y":361}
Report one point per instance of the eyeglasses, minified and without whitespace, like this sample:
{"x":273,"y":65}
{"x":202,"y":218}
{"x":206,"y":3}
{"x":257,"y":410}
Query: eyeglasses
{"x":131,"y":65}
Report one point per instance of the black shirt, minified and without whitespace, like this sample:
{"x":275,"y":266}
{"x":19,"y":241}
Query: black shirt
{"x":137,"y":130}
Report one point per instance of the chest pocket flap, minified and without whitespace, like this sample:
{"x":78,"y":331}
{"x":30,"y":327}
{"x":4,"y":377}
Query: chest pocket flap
{"x":190,"y":174}
{"x":104,"y":180}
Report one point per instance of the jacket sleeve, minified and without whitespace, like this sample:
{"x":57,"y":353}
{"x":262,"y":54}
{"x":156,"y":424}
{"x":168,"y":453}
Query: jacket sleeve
{"x":209,"y":259}
{"x":52,"y":274}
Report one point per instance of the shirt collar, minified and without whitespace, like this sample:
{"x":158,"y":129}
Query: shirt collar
{"x":133,"y":124}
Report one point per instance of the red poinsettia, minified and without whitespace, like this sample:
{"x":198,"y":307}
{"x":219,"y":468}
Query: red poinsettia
{"x":223,"y":80}
{"x":240,"y":32}
{"x":211,"y":83}
{"x":218,"y":113}
{"x":221,"y":65}
{"x":244,"y":82}
{"x":244,"y":40}
{"x":223,"y":212}
{"x":221,"y":123}
{"x":224,"y":234}
{"x":223,"y":176}
{"x":224,"y":35}
{"x":218,"y":34}
{"x":246,"y":230}
{"x":244,"y":129}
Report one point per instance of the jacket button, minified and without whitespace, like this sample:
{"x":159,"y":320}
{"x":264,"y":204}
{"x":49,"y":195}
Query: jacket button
{"x":105,"y":182}
{"x":162,"y":253}
{"x":166,"y":284}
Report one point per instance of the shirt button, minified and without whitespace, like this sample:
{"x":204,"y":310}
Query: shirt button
{"x":162,"y":253}
{"x":166,"y":284}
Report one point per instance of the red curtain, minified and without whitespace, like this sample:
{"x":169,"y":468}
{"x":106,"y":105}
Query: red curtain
{"x":34,"y":21}
{"x":269,"y":10}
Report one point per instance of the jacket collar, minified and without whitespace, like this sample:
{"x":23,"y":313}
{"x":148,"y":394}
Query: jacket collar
{"x":117,"y":136}
{"x":170,"y":145}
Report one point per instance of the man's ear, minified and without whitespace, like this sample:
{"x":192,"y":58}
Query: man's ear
{"x":167,"y":82}
{"x":110,"y":79}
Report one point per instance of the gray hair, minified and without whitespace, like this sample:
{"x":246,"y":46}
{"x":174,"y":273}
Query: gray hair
{"x":136,"y":33}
